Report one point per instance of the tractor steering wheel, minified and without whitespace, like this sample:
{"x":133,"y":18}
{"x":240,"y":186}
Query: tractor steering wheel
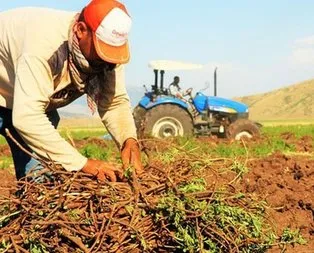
{"x":188,"y":92}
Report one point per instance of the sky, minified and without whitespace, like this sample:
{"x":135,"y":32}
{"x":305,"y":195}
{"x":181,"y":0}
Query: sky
{"x":257,"y":46}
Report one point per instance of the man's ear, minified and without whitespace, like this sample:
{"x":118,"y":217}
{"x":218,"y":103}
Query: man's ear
{"x":81,"y":29}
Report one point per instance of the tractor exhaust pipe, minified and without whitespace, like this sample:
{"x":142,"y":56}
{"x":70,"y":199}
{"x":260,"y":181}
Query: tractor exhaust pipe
{"x":215,"y":82}
{"x":162,"y":72}
{"x":156,"y":80}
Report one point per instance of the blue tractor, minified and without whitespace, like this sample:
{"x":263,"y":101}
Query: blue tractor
{"x":162,"y":115}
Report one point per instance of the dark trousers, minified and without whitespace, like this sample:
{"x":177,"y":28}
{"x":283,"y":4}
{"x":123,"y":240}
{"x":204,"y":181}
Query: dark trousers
{"x":22,"y":161}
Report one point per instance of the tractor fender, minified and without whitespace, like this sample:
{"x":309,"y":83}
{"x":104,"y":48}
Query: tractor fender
{"x":258,"y":124}
{"x":148,"y":104}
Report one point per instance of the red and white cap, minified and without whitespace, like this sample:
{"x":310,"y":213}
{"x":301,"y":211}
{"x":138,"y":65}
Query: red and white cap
{"x":110,"y":24}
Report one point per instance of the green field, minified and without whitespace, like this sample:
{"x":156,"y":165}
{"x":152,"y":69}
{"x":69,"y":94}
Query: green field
{"x":272,"y":129}
{"x":2,"y":140}
{"x":74,"y":133}
{"x":271,"y":132}
{"x":297,"y":129}
{"x":289,"y":122}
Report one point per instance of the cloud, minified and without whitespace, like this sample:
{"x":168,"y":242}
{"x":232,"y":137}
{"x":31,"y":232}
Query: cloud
{"x":306,"y":41}
{"x":303,"y":51}
{"x":303,"y":56}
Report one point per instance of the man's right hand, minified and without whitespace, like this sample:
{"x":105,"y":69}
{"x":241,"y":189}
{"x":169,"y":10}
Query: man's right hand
{"x":102,"y":170}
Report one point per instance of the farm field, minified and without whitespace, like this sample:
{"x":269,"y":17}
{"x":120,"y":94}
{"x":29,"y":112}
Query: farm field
{"x":213,"y":195}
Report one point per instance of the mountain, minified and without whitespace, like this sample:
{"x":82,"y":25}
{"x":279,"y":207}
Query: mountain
{"x":65,"y":114}
{"x":291,"y":102}
{"x":288,"y":103}
{"x":78,"y":109}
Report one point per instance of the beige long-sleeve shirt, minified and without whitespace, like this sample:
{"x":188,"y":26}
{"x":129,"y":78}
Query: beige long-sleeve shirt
{"x":35,"y":79}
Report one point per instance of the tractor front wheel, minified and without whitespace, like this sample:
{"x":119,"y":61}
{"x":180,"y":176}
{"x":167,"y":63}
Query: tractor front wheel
{"x":168,"y":120}
{"x":242,"y":129}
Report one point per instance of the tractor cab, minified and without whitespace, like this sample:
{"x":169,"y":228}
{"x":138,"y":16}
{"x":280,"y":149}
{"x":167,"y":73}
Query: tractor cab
{"x":160,"y":67}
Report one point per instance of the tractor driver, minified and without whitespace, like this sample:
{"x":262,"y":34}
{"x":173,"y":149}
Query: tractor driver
{"x":49,"y":58}
{"x":175,"y":89}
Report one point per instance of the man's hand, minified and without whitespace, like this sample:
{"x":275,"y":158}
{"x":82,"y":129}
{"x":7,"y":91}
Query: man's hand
{"x":102,"y":170}
{"x":131,"y":155}
{"x":179,"y":95}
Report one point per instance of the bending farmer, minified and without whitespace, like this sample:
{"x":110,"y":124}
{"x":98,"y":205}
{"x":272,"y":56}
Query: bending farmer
{"x":49,"y":58}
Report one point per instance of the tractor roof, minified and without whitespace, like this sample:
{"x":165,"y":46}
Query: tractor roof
{"x":173,"y":65}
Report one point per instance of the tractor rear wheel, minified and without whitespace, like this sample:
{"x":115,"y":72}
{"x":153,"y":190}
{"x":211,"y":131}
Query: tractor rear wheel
{"x":139,"y":117}
{"x":168,"y":120}
{"x":242,"y":129}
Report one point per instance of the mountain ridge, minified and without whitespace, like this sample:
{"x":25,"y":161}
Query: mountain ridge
{"x":293,"y":102}
{"x":290,"y":102}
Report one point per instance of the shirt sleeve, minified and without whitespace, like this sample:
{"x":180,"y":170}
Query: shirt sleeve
{"x":115,"y":109}
{"x":33,"y":85}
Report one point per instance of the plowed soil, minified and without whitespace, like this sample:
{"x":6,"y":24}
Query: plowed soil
{"x":285,"y":182}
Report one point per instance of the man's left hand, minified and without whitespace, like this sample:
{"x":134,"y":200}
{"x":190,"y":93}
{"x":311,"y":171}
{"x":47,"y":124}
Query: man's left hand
{"x":131,"y":155}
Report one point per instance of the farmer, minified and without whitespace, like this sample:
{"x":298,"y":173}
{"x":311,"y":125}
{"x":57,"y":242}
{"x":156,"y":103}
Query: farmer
{"x":49,"y":58}
{"x":175,"y":89}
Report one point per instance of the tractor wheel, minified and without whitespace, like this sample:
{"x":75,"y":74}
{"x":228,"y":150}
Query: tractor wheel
{"x":242,"y":128}
{"x":168,"y":121}
{"x":139,"y":117}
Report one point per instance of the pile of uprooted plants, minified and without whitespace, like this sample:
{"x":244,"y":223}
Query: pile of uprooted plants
{"x":170,"y":208}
